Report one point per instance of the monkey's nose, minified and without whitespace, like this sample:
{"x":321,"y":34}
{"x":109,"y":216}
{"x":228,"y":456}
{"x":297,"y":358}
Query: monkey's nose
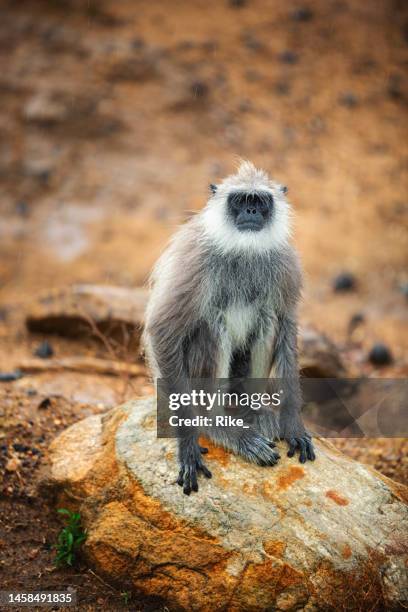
{"x":251,"y":210}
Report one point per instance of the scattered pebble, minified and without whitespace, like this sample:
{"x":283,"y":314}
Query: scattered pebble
{"x":404,"y":289}
{"x":20,"y":448}
{"x":348,"y":99}
{"x":394,"y":88}
{"x":356,"y":320}
{"x":252,"y":42}
{"x":380,"y":354}
{"x":303,"y":13}
{"x":10,"y":376}
{"x":237,"y":3}
{"x":199,"y":89}
{"x":44,"y":350}
{"x":44,"y":404}
{"x":22,"y":208}
{"x":282,"y":88}
{"x":13,"y":464}
{"x":288,"y":57}
{"x":345,"y":281}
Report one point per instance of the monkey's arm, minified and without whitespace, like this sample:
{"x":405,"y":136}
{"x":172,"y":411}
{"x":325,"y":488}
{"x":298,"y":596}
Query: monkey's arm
{"x":285,"y":366}
{"x":182,"y":351}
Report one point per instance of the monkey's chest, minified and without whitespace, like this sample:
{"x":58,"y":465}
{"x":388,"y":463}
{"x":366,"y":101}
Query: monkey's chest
{"x":240,"y":323}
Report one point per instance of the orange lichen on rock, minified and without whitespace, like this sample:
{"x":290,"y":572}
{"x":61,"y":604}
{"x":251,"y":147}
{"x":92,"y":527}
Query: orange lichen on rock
{"x":346,"y":552}
{"x":262,"y":582}
{"x":216,"y":452}
{"x":337,"y":498}
{"x":274,"y":548}
{"x":291,"y":475}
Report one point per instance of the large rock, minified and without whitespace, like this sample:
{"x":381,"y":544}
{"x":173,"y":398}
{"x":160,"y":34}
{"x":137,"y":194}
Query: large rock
{"x":74,"y":310}
{"x":320,"y":536}
{"x":319,"y":357}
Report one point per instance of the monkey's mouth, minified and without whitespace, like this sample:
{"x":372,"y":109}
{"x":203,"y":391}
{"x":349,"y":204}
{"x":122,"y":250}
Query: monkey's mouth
{"x":249,"y":226}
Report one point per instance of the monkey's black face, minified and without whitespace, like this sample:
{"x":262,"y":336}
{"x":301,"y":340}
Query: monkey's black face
{"x":250,"y":211}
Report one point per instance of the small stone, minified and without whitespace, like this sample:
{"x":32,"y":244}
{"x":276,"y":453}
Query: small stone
{"x":288,"y":57}
{"x":13,"y":464}
{"x":355,"y":321}
{"x":404,"y":289}
{"x":303,"y":14}
{"x":22,"y":208}
{"x":345,"y":281}
{"x":252,"y":42}
{"x":44,"y":404}
{"x":20,"y":448}
{"x":10,"y":376}
{"x":348,"y":99}
{"x":394,"y":89}
{"x":199,"y":89}
{"x":282,"y":88}
{"x":380,"y":354}
{"x":44,"y":350}
{"x":137,"y":43}
{"x":237,"y":3}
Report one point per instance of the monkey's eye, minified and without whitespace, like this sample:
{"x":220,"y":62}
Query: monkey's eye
{"x":265,"y":204}
{"x":235,"y":200}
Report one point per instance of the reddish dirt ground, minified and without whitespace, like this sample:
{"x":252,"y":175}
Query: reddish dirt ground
{"x":115,"y":118}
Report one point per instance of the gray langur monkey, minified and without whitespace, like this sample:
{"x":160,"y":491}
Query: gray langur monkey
{"x":223,"y":305}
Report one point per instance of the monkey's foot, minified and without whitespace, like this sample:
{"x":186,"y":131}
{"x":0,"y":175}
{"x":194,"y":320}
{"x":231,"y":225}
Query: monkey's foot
{"x":255,"y":448}
{"x":190,"y":465}
{"x":304,"y":446}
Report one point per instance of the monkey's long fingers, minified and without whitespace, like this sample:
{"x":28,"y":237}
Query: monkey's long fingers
{"x":303,"y":450}
{"x":205,"y":470}
{"x":180,"y":479}
{"x":193,"y":478}
{"x":203,"y":450}
{"x":292,"y":446}
{"x":187,"y":482}
{"x":310,"y":451}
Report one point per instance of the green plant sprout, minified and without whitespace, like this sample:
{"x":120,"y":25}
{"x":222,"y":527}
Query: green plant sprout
{"x":70,"y":538}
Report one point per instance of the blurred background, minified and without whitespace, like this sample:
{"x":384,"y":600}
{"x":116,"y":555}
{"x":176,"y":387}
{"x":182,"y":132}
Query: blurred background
{"x":115,"y":117}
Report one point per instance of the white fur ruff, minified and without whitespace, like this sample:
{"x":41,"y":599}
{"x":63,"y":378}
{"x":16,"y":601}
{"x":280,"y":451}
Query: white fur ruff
{"x":220,"y":231}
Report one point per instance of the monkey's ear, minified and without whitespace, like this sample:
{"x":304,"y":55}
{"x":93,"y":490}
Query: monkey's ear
{"x":213,"y":188}
{"x":284,"y":189}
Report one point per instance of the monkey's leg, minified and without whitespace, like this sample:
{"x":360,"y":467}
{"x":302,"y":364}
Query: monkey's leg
{"x":265,"y":419}
{"x":285,"y":365}
{"x":190,"y":463}
{"x":248,"y":443}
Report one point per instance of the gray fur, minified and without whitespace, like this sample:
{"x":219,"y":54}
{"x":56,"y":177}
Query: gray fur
{"x":210,"y":302}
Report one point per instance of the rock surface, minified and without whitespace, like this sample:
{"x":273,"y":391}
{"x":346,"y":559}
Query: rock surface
{"x":318,"y":355}
{"x":291,"y":537}
{"x":73,"y":310}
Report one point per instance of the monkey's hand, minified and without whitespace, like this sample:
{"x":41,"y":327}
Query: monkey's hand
{"x":254,"y":447}
{"x":302,"y":443}
{"x":190,"y":464}
{"x":293,"y":431}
